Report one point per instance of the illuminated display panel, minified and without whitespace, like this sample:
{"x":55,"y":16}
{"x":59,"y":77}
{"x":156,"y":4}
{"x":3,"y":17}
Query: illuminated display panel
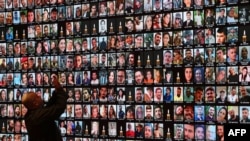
{"x":133,"y":69}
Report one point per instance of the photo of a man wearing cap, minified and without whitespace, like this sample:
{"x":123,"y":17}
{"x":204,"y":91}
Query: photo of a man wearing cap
{"x":24,"y":63}
{"x":188,"y":37}
{"x":232,"y":35}
{"x":221,"y":96}
{"x":177,"y":22}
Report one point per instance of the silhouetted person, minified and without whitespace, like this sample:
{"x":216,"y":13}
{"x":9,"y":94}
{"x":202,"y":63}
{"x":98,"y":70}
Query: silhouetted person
{"x":40,"y":119}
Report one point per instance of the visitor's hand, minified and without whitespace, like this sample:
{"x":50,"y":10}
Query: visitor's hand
{"x":53,"y":76}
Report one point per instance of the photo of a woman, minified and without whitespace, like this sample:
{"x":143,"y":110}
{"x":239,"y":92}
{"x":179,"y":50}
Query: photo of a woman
{"x":222,"y":115}
{"x":244,"y":75}
{"x":111,"y":77}
{"x":166,"y":40}
{"x":148,"y":79}
{"x":121,"y":95}
{"x":148,"y":24}
{"x":70,"y":79}
{"x":188,"y":72}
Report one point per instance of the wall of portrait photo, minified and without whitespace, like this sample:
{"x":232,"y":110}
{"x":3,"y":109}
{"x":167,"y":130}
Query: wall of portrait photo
{"x":133,"y":69}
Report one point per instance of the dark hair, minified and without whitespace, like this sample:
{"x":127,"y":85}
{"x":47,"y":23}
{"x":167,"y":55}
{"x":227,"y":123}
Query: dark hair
{"x":121,"y":91}
{"x":157,"y":106}
{"x":54,"y":10}
{"x":221,"y":30}
{"x":139,"y":89}
{"x":243,"y":109}
{"x":166,"y":33}
{"x":199,"y":125}
{"x":130,"y":108}
{"x":22,"y":13}
{"x":84,"y":39}
{"x":31,"y":10}
{"x":188,"y":12}
{"x":244,"y":76}
{"x":220,"y":48}
{"x":198,"y":89}
{"x":225,"y":110}
{"x":222,"y":9}
{"x":168,"y":88}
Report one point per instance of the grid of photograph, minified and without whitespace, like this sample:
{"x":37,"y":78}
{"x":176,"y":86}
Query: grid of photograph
{"x":133,"y":69}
